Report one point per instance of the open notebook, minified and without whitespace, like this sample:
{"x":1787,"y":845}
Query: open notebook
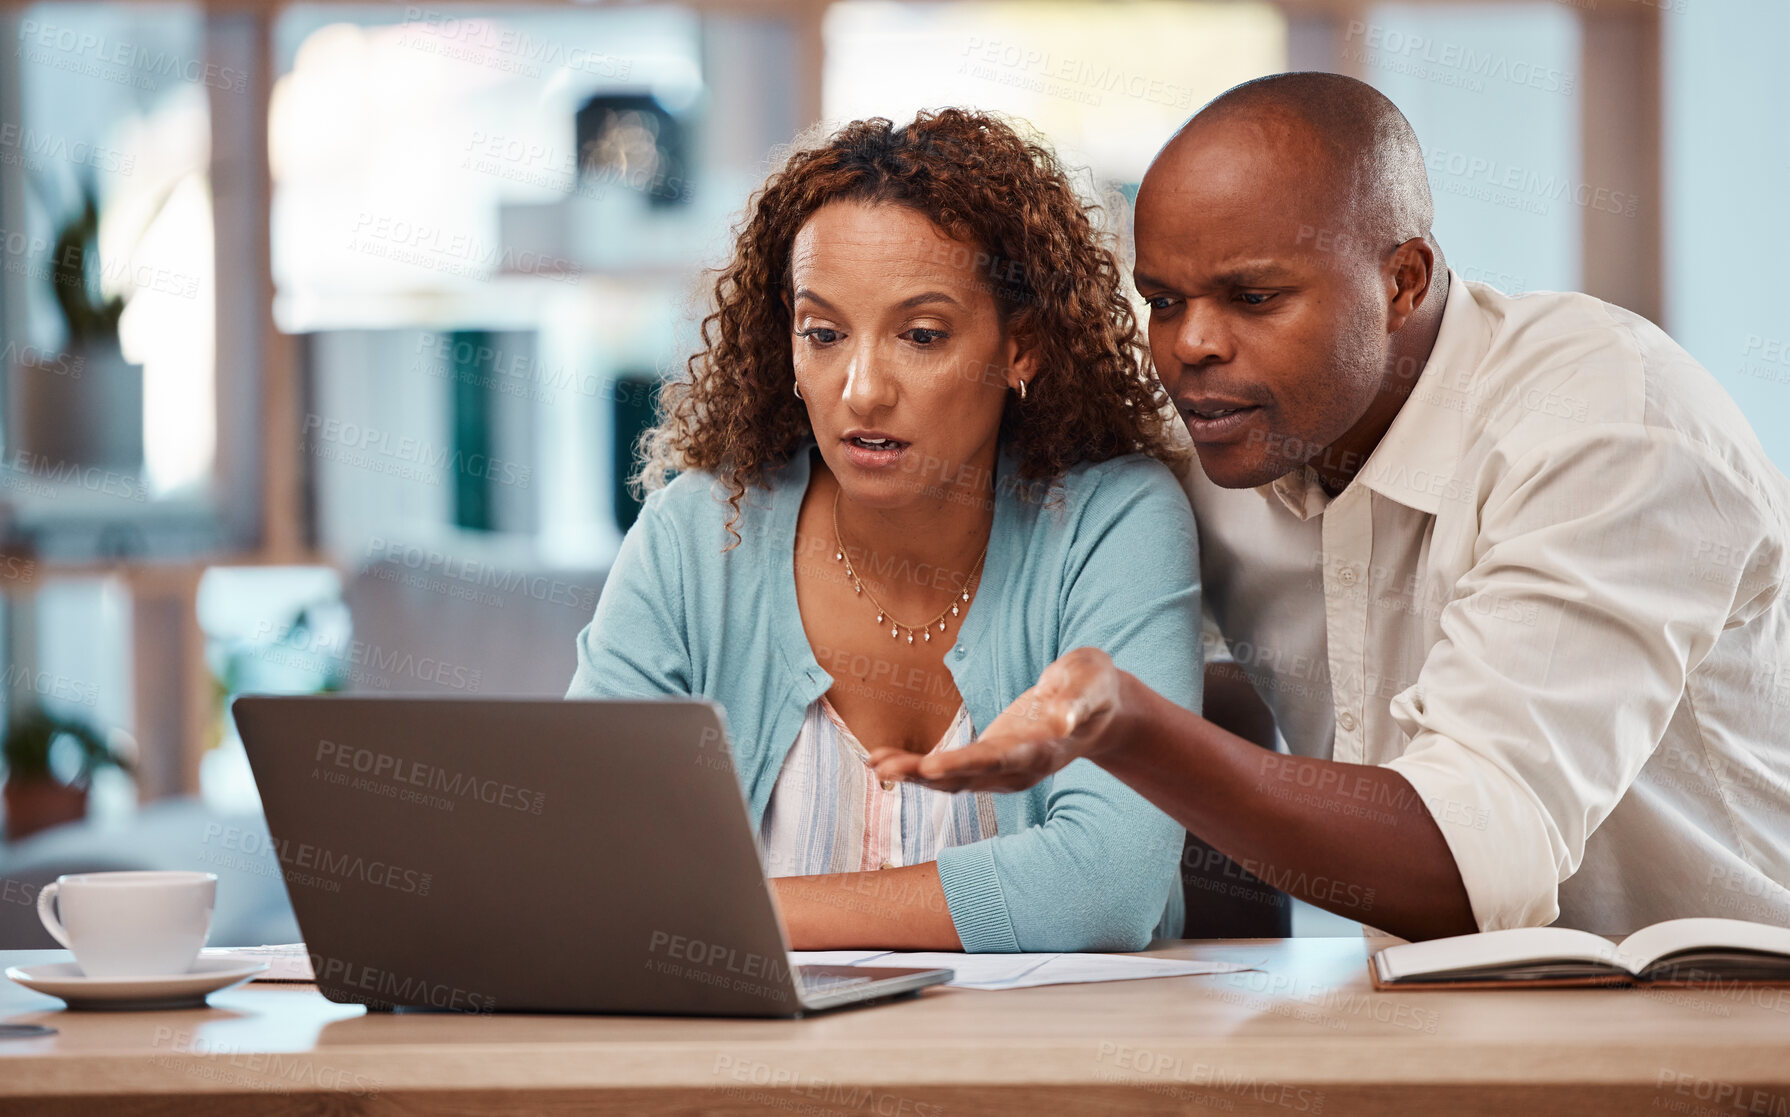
{"x":1676,"y":952}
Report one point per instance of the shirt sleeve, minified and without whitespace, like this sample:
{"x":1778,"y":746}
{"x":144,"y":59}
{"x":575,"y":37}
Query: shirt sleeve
{"x":635,"y":645}
{"x":1607,"y":564}
{"x":1097,"y":873}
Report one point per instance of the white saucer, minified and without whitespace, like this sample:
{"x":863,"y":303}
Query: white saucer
{"x":187,"y":990}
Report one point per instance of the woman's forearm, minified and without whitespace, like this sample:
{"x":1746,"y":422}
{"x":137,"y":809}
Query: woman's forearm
{"x":1295,"y":822}
{"x":891,"y":909}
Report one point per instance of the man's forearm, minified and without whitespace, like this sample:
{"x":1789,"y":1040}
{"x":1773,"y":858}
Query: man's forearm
{"x":892,"y":909}
{"x":1354,"y":839}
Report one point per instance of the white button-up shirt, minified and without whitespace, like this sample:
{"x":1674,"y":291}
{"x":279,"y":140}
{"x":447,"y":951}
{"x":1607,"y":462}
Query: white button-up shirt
{"x":1552,"y":600}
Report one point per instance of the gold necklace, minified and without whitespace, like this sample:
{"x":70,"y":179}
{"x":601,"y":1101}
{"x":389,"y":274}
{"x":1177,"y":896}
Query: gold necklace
{"x":896,"y":627}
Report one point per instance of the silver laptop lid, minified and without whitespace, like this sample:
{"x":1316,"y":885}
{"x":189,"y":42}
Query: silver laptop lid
{"x":519,"y":855}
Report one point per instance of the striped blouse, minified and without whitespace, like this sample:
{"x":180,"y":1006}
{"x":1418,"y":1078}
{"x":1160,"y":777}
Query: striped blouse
{"x":828,"y":813}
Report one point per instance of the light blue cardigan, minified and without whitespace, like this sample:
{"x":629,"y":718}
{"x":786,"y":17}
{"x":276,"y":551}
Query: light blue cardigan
{"x":1080,"y":862}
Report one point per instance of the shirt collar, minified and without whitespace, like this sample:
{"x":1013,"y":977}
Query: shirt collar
{"x":1416,"y":459}
{"x":1299,"y":492}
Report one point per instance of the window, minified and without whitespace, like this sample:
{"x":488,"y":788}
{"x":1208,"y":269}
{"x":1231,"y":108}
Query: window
{"x":1493,"y":92}
{"x":1727,"y":158}
{"x":108,"y":288}
{"x":1108,"y":83}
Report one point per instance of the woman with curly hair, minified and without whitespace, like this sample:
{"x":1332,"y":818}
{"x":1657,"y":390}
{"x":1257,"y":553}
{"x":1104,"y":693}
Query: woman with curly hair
{"x":918,"y":457}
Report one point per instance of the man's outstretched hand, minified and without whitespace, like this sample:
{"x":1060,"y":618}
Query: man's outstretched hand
{"x":1070,"y":713}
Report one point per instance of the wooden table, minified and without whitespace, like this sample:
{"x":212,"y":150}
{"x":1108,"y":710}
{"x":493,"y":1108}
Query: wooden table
{"x":1306,"y":1034}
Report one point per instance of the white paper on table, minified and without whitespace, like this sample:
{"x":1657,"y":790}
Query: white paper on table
{"x":1022,"y":971}
{"x":290,"y":962}
{"x":286,"y":962}
{"x":834,"y":957}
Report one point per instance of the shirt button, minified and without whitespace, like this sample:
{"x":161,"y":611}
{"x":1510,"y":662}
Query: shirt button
{"x":1346,"y":721}
{"x":888,"y":785}
{"x":961,"y":651}
{"x":888,"y":865}
{"x":1347,"y":575}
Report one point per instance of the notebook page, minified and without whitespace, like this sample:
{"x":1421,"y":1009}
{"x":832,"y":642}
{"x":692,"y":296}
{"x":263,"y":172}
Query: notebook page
{"x":1493,"y":949}
{"x":1643,"y":948}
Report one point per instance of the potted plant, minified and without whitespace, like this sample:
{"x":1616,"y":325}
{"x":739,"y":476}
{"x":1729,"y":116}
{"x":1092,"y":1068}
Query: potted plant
{"x":36,"y":797}
{"x":84,"y":406}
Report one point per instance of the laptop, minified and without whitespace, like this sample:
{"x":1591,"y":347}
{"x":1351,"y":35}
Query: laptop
{"x":505,"y":855}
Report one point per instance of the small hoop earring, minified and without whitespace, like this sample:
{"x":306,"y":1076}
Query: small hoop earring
{"x":797,"y":385}
{"x":1022,"y":391}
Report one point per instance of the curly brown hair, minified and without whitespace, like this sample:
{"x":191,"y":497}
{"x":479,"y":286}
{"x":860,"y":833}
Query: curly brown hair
{"x":980,"y":182}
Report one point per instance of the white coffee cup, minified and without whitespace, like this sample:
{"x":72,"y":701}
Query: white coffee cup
{"x":138,"y":924}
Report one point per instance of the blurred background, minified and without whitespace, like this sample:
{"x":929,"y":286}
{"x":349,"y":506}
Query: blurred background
{"x":326,"y":328}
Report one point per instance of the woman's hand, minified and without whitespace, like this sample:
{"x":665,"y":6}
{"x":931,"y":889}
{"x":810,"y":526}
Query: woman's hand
{"x":1072,"y":712}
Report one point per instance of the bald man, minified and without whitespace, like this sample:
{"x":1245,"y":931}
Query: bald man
{"x":1507,"y":571}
